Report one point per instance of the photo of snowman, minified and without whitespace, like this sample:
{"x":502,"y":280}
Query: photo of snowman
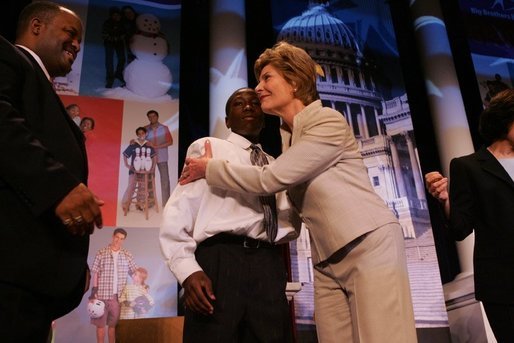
{"x":146,"y":75}
{"x":151,"y":60}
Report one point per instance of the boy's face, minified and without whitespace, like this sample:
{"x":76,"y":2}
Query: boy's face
{"x":117,"y":241}
{"x":245,"y":114}
{"x":141,"y":135}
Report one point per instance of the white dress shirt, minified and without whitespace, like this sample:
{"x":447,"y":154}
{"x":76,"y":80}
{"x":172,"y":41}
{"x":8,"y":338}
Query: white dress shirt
{"x":508,"y":165}
{"x":196,"y":211}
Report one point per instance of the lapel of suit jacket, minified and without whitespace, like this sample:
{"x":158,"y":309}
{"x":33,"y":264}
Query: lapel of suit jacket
{"x":304,"y":118}
{"x":490,"y":164}
{"x":47,"y":84}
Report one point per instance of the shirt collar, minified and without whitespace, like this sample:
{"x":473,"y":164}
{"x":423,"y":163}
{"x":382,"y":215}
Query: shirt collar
{"x":38,"y":60}
{"x":240,"y":141}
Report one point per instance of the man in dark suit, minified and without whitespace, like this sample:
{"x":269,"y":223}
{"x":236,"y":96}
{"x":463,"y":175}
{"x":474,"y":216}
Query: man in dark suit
{"x":47,"y":212}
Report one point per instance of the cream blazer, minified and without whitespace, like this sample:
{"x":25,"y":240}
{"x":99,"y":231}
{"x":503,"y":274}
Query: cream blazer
{"x":325,"y":178}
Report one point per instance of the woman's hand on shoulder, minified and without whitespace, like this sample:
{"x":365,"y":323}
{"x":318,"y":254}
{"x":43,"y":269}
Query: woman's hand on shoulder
{"x":195,"y":168}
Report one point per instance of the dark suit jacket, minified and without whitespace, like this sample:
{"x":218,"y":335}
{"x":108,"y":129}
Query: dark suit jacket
{"x":43,"y":158}
{"x":482,"y":199}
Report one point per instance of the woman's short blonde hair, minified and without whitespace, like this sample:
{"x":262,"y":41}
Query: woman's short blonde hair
{"x":295,"y":65}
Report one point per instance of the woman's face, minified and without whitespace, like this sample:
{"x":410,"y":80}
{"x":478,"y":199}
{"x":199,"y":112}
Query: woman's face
{"x":86,"y":125}
{"x":274,"y":92}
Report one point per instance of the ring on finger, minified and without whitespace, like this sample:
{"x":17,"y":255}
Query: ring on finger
{"x":67,"y":221}
{"x":78,"y":219}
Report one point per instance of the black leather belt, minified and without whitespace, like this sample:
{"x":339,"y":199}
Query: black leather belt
{"x":246,"y":242}
{"x":341,"y":253}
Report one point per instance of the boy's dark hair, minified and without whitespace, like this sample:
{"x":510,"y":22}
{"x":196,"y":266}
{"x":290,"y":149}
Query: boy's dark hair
{"x":232,"y":96}
{"x":70,"y":106}
{"x":153,"y":111}
{"x":141,"y":128}
{"x":120,"y":230}
{"x":114,"y":10}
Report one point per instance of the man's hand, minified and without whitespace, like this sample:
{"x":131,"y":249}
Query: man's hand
{"x":79,"y":211}
{"x":198,"y":293}
{"x":195,"y":168}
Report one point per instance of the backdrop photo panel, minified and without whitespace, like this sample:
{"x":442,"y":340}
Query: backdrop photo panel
{"x":102,"y":146}
{"x":143,"y":244}
{"x":134,"y":116}
{"x":132,"y":50}
{"x":116,"y":113}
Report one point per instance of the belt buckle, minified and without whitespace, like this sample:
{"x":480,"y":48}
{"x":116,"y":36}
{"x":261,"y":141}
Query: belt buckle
{"x":247,"y":243}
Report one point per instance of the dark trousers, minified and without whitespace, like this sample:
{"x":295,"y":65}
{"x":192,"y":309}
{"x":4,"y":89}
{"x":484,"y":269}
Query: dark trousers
{"x":501,"y":319}
{"x":110,"y":49}
{"x":24,"y":316}
{"x":249,"y":285}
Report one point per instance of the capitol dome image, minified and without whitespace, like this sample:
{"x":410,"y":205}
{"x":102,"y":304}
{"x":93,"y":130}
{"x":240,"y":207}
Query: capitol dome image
{"x":382,"y":126}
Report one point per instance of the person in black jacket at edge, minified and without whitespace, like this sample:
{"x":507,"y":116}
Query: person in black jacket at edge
{"x":47,"y":212}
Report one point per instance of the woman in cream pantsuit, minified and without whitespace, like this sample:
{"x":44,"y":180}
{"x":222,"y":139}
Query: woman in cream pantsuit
{"x":362,"y":291}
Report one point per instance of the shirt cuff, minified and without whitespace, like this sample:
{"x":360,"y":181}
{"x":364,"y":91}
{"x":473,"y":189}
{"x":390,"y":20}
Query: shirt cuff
{"x":183,"y":268}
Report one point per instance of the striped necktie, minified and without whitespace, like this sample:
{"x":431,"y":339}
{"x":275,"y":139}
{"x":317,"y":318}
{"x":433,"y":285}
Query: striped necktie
{"x":269,"y":205}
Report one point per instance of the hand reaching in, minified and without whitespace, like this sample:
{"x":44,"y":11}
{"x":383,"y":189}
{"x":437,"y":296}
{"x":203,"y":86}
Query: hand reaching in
{"x":437,"y":186}
{"x":195,"y":168}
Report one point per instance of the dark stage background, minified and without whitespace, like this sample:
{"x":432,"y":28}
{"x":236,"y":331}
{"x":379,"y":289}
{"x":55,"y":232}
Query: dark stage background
{"x":194,"y":85}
